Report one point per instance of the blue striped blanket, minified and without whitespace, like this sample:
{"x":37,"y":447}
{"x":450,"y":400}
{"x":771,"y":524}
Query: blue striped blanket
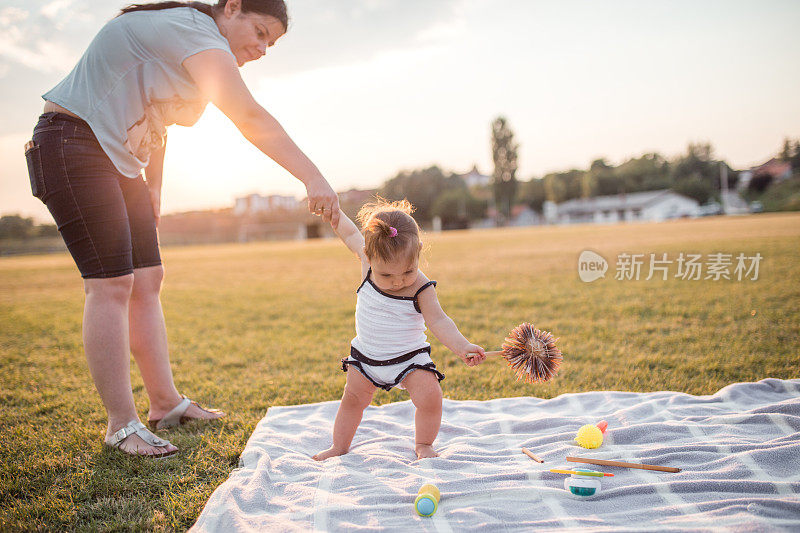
{"x":738,"y":451}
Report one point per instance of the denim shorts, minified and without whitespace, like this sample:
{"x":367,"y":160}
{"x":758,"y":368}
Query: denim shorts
{"x":105,"y":218}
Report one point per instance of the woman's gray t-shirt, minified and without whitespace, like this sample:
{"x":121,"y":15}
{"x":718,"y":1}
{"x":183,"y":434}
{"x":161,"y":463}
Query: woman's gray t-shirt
{"x":130,"y":83}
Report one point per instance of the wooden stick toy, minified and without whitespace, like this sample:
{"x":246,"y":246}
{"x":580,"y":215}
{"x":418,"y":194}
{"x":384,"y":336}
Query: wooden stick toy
{"x":530,"y":352}
{"x":603,"y":462}
{"x":527,"y":452}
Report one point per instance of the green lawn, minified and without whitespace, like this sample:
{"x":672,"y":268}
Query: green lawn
{"x":264,"y":324}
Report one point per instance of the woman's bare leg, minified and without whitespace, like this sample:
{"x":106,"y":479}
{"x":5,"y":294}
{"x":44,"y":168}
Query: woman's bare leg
{"x":106,"y":343}
{"x":148,"y":340}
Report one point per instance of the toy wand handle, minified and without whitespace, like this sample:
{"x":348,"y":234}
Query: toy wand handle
{"x":474,"y":354}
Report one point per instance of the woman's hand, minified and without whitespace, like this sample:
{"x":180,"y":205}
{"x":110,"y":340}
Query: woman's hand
{"x":472,"y":355}
{"x":323,"y":201}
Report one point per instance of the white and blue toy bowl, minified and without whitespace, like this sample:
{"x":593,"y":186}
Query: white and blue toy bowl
{"x":582,"y":487}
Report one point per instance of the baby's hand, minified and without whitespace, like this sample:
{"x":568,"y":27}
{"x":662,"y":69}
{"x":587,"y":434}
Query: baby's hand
{"x":472,"y":355}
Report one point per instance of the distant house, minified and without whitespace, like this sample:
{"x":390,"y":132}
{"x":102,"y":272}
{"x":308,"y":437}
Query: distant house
{"x":254,"y":204}
{"x":523,"y":215}
{"x":198,"y":227}
{"x":474,"y":178}
{"x":647,"y":206}
{"x":775,"y":169}
{"x":276,"y":217}
{"x":278,"y":231}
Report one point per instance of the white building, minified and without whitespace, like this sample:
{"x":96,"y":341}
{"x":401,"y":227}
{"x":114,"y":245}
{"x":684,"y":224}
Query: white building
{"x":255,"y":203}
{"x":474,"y":178}
{"x":647,"y":206}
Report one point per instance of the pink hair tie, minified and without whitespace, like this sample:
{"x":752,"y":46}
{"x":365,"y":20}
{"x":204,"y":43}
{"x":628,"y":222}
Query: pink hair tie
{"x":392,"y":232}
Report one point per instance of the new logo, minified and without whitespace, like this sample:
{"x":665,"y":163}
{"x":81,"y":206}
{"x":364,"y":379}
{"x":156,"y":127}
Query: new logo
{"x":591,"y":266}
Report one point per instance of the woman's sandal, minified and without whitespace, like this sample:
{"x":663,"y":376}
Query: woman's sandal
{"x":135,"y":427}
{"x":176,"y":416}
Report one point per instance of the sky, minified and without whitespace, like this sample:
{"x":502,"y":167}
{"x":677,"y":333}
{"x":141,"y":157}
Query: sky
{"x":368,"y":88}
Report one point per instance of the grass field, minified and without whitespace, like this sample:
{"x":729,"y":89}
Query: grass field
{"x":256,"y":325}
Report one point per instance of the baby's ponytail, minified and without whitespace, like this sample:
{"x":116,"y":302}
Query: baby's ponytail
{"x":380,"y":227}
{"x":390,"y":232}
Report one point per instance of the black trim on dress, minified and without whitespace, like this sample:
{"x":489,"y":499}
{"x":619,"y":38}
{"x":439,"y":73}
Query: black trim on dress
{"x":358,"y":356}
{"x":430,"y":367}
{"x":380,"y":291}
{"x":409,"y":298}
{"x":416,"y":294}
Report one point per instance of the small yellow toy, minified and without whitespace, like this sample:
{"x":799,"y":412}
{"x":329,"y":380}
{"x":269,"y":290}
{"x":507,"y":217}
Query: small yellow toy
{"x":427,"y":500}
{"x":591,"y":435}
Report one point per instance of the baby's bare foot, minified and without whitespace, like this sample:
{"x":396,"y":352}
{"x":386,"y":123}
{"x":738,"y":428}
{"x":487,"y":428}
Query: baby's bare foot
{"x":424,"y":451}
{"x":330,"y":452}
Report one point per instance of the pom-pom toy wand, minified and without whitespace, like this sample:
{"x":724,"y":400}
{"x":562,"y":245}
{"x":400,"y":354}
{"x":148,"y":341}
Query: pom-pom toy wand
{"x":532,"y":353}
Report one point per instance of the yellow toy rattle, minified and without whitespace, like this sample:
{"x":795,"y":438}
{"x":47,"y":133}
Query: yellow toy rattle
{"x":591,"y":435}
{"x":427,"y":500}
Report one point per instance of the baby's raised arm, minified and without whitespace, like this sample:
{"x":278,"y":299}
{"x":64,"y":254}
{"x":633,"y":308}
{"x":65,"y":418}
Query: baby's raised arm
{"x":351,"y":237}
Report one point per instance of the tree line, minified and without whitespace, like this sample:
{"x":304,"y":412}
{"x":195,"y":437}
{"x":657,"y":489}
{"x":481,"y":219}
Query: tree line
{"x":436,"y":193}
{"x":19,"y":227}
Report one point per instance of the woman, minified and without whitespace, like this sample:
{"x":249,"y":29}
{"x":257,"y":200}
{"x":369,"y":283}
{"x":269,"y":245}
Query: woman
{"x":152,"y":66}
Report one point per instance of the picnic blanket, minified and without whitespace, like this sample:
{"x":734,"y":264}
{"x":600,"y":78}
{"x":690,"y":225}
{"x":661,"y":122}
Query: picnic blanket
{"x":738,"y":451}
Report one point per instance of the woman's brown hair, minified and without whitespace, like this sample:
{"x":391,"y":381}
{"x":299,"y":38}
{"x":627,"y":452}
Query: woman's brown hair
{"x":273,"y":8}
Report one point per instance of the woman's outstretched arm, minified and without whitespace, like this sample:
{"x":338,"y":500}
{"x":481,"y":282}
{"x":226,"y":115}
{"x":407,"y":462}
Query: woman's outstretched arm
{"x":216,"y":74}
